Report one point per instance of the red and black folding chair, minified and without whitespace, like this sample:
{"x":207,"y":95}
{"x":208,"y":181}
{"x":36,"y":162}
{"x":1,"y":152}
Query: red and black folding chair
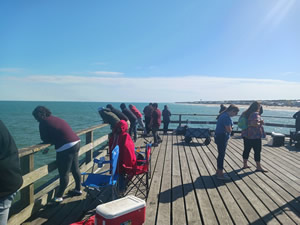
{"x":137,"y":177}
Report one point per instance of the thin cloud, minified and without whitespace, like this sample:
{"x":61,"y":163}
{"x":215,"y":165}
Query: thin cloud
{"x":106,"y":73}
{"x":161,"y":89}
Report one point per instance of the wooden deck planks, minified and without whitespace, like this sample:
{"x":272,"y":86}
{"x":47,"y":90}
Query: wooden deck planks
{"x":184,"y":189}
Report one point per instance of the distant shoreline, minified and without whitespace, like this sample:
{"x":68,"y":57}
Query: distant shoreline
{"x":266,"y":107}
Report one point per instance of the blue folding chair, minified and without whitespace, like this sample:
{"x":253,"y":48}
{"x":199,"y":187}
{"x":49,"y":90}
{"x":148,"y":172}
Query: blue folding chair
{"x":100,"y":182}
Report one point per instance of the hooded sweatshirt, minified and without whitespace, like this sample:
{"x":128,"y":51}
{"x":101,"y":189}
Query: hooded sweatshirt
{"x":11,"y":179}
{"x":126,"y":146}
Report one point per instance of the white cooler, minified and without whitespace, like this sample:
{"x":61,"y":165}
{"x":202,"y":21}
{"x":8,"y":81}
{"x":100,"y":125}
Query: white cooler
{"x":129,"y":210}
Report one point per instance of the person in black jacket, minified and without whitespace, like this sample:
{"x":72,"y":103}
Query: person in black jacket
{"x":132,"y":118}
{"x":118,"y":113}
{"x":166,"y":118}
{"x":11,"y":178}
{"x":297,"y":117}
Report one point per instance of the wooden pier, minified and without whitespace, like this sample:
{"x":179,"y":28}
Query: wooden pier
{"x":184,"y":189}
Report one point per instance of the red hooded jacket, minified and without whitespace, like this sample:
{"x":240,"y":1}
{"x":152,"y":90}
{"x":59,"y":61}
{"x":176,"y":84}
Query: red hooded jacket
{"x":126,"y":145}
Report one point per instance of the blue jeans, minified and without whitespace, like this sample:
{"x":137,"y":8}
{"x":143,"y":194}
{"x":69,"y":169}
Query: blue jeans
{"x":221,"y":140}
{"x":5,"y":204}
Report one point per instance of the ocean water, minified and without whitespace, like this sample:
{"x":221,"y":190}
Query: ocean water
{"x":17,"y":116}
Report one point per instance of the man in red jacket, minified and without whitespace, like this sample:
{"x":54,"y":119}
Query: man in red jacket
{"x":155,"y":124}
{"x":138,"y":115}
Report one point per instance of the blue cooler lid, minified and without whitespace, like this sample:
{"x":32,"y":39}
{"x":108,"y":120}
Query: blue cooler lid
{"x":120,"y":207}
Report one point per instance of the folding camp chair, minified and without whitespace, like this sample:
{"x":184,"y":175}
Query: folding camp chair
{"x":100,"y":182}
{"x":138,"y":176}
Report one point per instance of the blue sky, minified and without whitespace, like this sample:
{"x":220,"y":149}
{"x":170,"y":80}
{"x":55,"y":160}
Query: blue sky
{"x":140,"y":51}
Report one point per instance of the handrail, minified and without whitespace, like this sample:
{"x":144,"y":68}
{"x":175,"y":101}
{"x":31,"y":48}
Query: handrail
{"x":32,"y":200}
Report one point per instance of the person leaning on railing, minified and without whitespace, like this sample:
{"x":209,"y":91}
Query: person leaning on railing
{"x":56,"y":131}
{"x":11,"y":178}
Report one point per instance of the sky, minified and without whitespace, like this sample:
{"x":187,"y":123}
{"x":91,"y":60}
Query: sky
{"x":147,"y":51}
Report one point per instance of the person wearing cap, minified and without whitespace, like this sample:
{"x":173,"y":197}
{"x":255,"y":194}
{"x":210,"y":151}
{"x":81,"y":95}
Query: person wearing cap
{"x":108,"y":117}
{"x":139,"y":117}
{"x":132,"y":118}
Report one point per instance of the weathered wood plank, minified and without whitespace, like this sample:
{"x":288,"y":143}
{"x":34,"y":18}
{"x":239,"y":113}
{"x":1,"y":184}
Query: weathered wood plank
{"x":164,"y":212}
{"x":191,"y":204}
{"x":178,"y":209}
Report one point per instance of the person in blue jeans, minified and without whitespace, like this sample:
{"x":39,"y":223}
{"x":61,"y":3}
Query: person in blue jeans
{"x":222,"y":135}
{"x":11,"y":178}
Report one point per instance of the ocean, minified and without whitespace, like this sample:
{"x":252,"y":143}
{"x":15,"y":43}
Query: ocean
{"x":17,"y":116}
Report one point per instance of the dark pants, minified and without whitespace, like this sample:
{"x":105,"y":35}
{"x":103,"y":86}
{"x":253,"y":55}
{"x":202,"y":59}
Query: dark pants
{"x":156,"y":137}
{"x":132,"y":128}
{"x":67,"y":161}
{"x":166,"y":126}
{"x":221,"y":140}
{"x":248,"y":145}
{"x":147,"y":124}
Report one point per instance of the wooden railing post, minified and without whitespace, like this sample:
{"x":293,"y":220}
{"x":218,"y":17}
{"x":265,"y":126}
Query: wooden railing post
{"x":179,"y":120}
{"x":27,"y":166}
{"x":89,"y":139}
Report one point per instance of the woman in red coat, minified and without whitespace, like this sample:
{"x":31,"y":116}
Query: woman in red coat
{"x":127,"y":155}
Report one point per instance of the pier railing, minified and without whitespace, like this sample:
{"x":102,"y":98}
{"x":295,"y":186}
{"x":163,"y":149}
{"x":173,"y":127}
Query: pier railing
{"x":208,"y":119}
{"x":31,"y":199}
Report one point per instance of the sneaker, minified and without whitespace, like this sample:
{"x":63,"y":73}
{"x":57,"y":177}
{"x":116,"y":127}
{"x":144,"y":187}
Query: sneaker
{"x":155,"y":145}
{"x":75,"y":192}
{"x":58,"y":199}
{"x":224,"y":177}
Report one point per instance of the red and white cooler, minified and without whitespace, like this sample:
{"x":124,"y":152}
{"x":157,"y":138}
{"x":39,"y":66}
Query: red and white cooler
{"x":129,"y":210}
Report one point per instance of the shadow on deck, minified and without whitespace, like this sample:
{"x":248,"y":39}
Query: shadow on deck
{"x":184,"y":189}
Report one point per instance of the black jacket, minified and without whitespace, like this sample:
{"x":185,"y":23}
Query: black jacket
{"x":132,"y":118}
{"x":10,"y":179}
{"x":119,"y":114}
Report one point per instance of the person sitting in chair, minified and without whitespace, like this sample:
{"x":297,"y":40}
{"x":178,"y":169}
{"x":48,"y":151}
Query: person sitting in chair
{"x":127,"y":155}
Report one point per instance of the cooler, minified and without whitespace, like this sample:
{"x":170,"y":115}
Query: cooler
{"x":278,"y":139}
{"x":129,"y":210}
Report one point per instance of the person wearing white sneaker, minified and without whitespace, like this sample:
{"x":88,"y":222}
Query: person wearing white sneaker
{"x":56,"y":131}
{"x":222,"y":135}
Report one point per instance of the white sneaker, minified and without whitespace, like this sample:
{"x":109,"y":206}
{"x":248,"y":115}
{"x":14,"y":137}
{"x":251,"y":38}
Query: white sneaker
{"x":58,"y":200}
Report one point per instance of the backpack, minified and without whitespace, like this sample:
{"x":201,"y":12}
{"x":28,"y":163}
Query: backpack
{"x":243,"y":122}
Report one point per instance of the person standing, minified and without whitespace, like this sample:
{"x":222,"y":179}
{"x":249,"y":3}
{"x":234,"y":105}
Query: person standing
{"x":11,"y":178}
{"x":132,"y":118}
{"x":155,"y":124}
{"x":166,"y":118}
{"x":139,"y":117}
{"x":252,"y":135}
{"x":56,"y":131}
{"x":148,"y":115}
{"x":297,"y":117}
{"x":222,"y":135}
